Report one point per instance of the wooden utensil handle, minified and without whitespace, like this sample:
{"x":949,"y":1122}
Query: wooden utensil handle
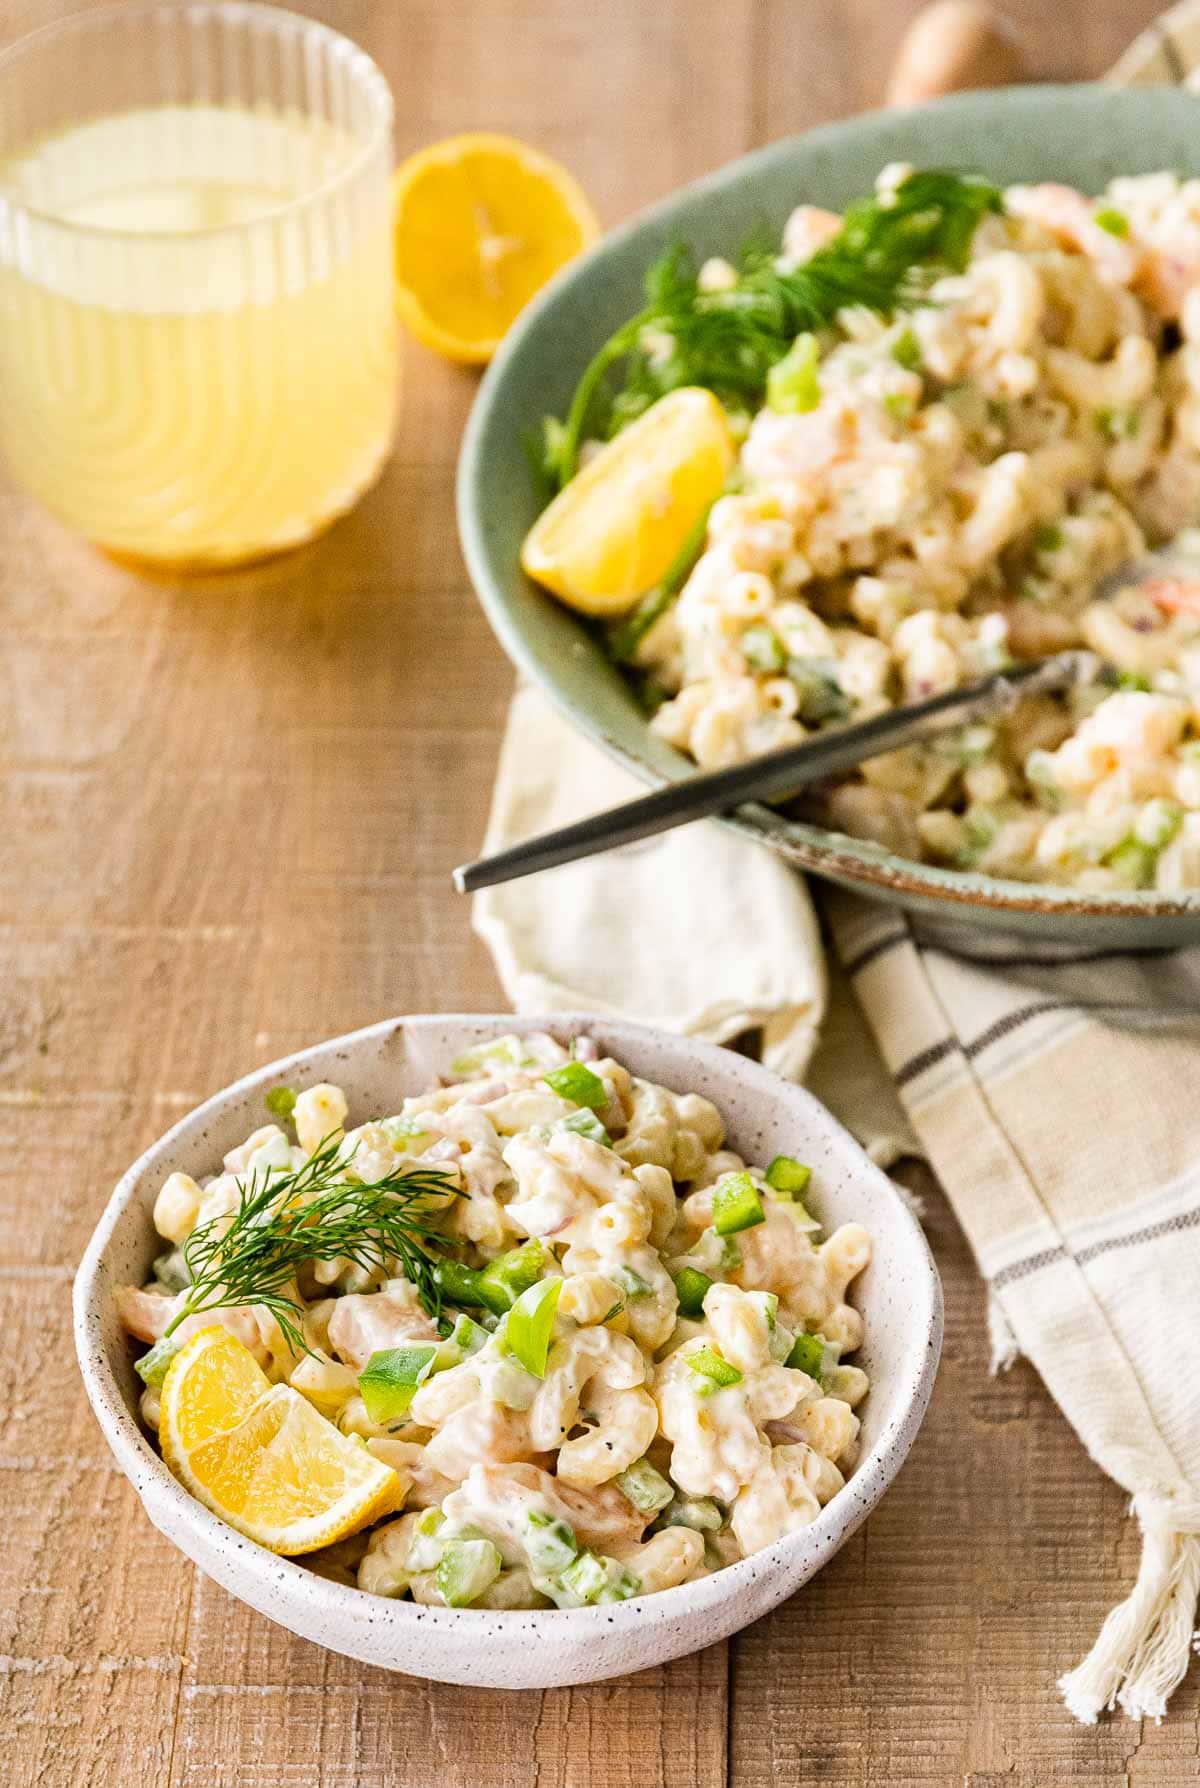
{"x":953,"y":45}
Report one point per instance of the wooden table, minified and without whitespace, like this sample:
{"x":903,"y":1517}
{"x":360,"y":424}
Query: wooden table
{"x":229,"y":810}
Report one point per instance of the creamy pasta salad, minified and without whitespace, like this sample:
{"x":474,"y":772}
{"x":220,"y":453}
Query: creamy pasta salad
{"x":936,"y":456}
{"x":601,"y":1353}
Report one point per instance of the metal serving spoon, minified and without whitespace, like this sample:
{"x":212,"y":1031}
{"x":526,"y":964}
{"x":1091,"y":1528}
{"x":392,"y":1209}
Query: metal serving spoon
{"x":780,"y":773}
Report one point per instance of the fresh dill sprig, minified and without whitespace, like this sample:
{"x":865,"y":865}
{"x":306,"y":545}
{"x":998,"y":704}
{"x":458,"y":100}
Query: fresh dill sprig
{"x":887,"y":251}
{"x":285,"y":1220}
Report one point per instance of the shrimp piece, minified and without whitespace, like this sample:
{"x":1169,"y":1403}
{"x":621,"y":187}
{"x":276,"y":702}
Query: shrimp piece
{"x":808,"y":229}
{"x":1164,"y":282}
{"x":146,"y":1315}
{"x":477,"y":1433}
{"x":1070,"y":217}
{"x":364,"y":1323}
{"x":1174,"y":595}
{"x":600,"y":1515}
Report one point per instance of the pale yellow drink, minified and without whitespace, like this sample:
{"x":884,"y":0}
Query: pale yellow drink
{"x":197,"y":337}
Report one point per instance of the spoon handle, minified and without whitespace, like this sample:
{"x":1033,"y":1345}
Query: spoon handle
{"x":777,"y":773}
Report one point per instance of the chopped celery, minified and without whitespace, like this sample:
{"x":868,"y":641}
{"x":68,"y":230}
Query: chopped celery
{"x":1047,"y":539}
{"x":792,"y":383}
{"x":808,"y":1355}
{"x":899,"y":405}
{"x":1158,"y":823}
{"x":469,"y":1336}
{"x":1115,"y":222}
{"x":390,"y":1377}
{"x":576,"y":1082}
{"x":465,"y":1569}
{"x":584,"y":1122}
{"x":590,"y":1579}
{"x":631,"y":1283}
{"x":646,"y":1488}
{"x":503,"y":1052}
{"x":152,"y":1367}
{"x":510,"y":1384}
{"x":405,"y":1133}
{"x":1133,"y":862}
{"x":768,"y":1303}
{"x":171,"y":1270}
{"x":707,"y":1363}
{"x":690,"y":1289}
{"x":786,"y":1174}
{"x":530,"y":1325}
{"x":1042,"y":778}
{"x":621,"y":1586}
{"x":820,"y":691}
{"x":736,"y":1204}
{"x":550,"y":1544}
{"x":281,"y":1102}
{"x":425,"y":1548}
{"x":699,"y":1512}
{"x":1118,"y":425}
{"x":906,"y":351}
{"x":584,"y":1577}
{"x":763,"y":649}
{"x":504,"y":1279}
{"x":731,"y":1254}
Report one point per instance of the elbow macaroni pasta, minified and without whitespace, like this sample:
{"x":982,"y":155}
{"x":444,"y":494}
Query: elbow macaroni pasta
{"x":652,"y":1446}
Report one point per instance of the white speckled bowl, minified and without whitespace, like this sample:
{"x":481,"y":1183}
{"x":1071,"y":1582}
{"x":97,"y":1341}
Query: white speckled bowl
{"x":899,"y":1296}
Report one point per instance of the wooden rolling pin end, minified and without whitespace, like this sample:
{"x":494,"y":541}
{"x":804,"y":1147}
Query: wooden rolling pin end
{"x":954,"y":45}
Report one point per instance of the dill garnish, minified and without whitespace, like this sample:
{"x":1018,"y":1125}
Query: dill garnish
{"x":285,"y":1220}
{"x":888,"y":249}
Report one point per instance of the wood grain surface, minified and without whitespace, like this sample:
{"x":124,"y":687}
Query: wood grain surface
{"x":227,"y":814}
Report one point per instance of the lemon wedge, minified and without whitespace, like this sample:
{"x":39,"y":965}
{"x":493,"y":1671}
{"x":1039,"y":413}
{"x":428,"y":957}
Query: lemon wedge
{"x":481,"y":223}
{"x":260,"y":1456}
{"x":614,"y":531}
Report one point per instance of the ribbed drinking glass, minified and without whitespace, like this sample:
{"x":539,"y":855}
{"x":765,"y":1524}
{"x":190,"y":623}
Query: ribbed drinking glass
{"x":197,"y":336}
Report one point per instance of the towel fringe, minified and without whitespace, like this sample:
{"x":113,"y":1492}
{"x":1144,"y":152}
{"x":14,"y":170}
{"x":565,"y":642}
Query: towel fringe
{"x":1005,"y":1348}
{"x":1142,"y":1651}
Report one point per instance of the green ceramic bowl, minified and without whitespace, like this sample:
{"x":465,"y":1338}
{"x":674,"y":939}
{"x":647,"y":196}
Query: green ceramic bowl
{"x":1083,"y":135}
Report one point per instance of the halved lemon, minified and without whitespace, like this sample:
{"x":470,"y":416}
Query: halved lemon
{"x":481,"y":223}
{"x":260,"y":1456}
{"x":615,"y":530}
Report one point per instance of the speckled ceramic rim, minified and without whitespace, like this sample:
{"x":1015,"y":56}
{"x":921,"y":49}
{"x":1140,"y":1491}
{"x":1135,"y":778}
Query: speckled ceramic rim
{"x":1075,"y":114}
{"x":495,"y":1647}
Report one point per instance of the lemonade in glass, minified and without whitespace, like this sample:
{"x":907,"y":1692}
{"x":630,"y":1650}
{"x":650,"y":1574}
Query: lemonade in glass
{"x":197,"y":335}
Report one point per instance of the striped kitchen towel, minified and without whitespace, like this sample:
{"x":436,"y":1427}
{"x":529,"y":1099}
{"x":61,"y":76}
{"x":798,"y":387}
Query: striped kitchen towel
{"x":1059,"y":1104}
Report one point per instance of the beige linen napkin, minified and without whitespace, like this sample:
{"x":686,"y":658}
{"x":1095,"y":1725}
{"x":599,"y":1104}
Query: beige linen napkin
{"x":698,"y":931}
{"x":1058,"y":1102}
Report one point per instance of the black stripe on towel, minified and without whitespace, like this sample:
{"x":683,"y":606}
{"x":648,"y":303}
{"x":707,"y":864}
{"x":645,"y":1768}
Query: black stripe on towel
{"x":1012,"y":1021}
{"x":1033,"y":1263}
{"x":1150,"y":1232}
{"x":937,"y":1052}
{"x":854,"y":964}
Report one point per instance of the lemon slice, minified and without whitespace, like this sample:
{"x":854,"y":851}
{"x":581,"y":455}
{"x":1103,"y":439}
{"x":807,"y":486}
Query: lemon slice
{"x":481,"y":223}
{"x":260,"y":1456}
{"x":615,"y":530}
